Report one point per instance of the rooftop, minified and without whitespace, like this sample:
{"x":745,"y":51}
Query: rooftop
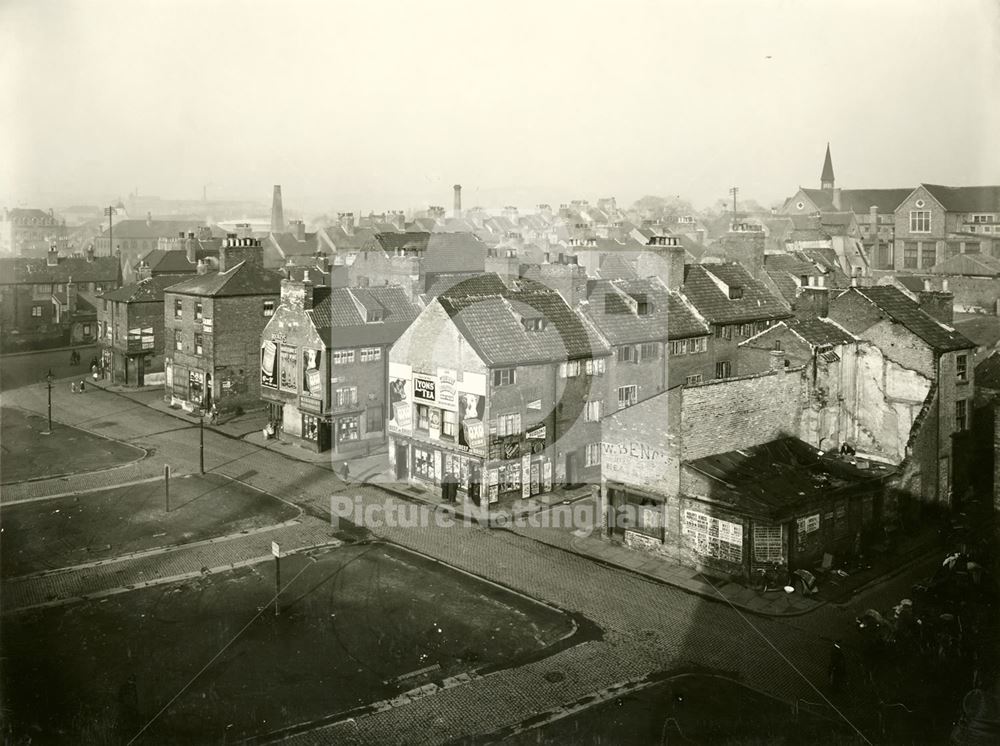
{"x":711,"y":288}
{"x":907,"y":312}
{"x":144,"y":291}
{"x":23,"y":270}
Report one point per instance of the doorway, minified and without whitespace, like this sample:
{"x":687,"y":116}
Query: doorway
{"x":572,"y":469}
{"x":401,"y":465}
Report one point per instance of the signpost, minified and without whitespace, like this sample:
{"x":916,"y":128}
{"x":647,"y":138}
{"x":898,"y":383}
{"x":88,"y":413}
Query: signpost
{"x":276,"y":551}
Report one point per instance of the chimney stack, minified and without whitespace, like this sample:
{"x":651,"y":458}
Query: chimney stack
{"x":236,"y":250}
{"x":277,"y":212}
{"x":458,"y":201}
{"x":52,"y":258}
{"x":190,"y":248}
{"x":149,"y":220}
{"x":346,"y":220}
{"x":298,"y":229}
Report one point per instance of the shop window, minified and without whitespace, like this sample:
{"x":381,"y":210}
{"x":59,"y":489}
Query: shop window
{"x":449,"y":424}
{"x":423,"y":417}
{"x":374,"y":418}
{"x":767,"y":544}
{"x":423,"y":463}
{"x":806,"y":526}
{"x":347,"y":429}
{"x":196,"y":386}
{"x":510,"y":477}
{"x":310,"y":427}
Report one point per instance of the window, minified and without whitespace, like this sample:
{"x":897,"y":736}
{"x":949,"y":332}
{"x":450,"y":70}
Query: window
{"x":595,"y":367}
{"x":533,"y":325}
{"x":509,"y":424}
{"x":375,"y":315}
{"x":693,"y":380}
{"x":449,"y":424}
{"x":627,"y":354}
{"x":767,"y":544}
{"x":592,"y":455}
{"x":650,"y":351}
{"x":723,"y":369}
{"x":105,"y":304}
{"x":593,"y":411}
{"x":198,"y":311}
{"x":724,"y":332}
{"x":423,"y":464}
{"x":347,"y":429}
{"x":199,"y":342}
{"x":777,"y":345}
{"x":371,"y":354}
{"x":700,"y":344}
{"x":982,"y":218}
{"x":374,"y":419}
{"x":346,"y":396}
{"x":178,"y":308}
{"x":928,"y":255}
{"x":961,"y":414}
{"x":504,"y":377}
{"x":627,"y":396}
{"x":679,"y":347}
{"x":310,"y":427}
{"x":735,"y":292}
{"x":962,"y":367}
{"x":178,"y":341}
{"x":269,"y":308}
{"x":643,"y":308}
{"x":423,"y":417}
{"x":342,"y":357}
{"x":36,"y":311}
{"x":910,"y":255}
{"x":920,"y":221}
{"x":86,"y":330}
{"x":570,"y":369}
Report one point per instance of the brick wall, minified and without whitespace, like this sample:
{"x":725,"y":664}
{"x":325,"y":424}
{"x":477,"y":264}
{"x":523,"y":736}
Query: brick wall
{"x":740,"y":412}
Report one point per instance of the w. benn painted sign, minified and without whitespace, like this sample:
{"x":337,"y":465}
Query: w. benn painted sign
{"x":424,"y":388}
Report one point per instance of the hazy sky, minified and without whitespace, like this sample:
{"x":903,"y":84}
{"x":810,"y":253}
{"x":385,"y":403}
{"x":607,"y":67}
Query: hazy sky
{"x":371,"y":105}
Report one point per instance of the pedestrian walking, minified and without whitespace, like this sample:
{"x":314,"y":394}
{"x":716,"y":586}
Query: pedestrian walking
{"x":83,"y":386}
{"x":213,"y":415}
{"x":72,"y":387}
{"x":345,"y":472}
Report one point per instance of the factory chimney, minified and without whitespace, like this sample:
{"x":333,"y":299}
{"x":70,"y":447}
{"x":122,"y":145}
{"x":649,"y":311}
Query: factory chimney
{"x":277,"y":214}
{"x":457,"y":212}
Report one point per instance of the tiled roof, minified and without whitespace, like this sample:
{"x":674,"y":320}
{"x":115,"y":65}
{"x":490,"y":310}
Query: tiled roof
{"x":859,"y":200}
{"x":966,"y":199}
{"x":987,"y":373}
{"x":975,"y":265}
{"x":704,"y":288}
{"x":21,"y":270}
{"x":615,"y":266}
{"x":913,"y":283}
{"x":491,"y":323}
{"x":289,"y":245}
{"x":819,"y":332}
{"x":776,"y":477}
{"x":612,"y":307}
{"x":981,"y":328}
{"x":131,"y":229}
{"x":338,"y":319}
{"x":901,"y":309}
{"x":144,"y":291}
{"x":245,"y":278}
{"x":174,"y":261}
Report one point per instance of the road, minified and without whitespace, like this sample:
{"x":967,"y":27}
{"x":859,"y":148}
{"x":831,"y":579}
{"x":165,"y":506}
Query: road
{"x":28,"y":368}
{"x":647,"y":627}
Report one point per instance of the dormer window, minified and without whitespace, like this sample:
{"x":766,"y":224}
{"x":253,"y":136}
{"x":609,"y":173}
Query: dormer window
{"x":375,"y":315}
{"x":536,"y":324}
{"x":735,"y":292}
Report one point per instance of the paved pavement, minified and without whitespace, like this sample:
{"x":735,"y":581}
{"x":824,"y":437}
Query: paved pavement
{"x":648,"y":627}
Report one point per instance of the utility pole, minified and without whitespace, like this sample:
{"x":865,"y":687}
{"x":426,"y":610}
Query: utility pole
{"x":166,"y":485}
{"x":276,"y":551}
{"x":734,"y":191}
{"x":201,"y":443}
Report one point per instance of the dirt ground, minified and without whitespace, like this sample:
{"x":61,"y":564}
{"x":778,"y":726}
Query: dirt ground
{"x":27,"y":454}
{"x":353,"y":621}
{"x":66,"y":531}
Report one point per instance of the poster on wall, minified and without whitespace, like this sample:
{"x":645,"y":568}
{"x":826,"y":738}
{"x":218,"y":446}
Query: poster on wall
{"x":288,"y":366}
{"x":547,"y":475}
{"x":424,"y":389}
{"x":470,"y":411}
{"x":526,"y":476}
{"x":269,"y":365}
{"x":312,"y":380}
{"x":447,"y":396}
{"x":399,"y":405}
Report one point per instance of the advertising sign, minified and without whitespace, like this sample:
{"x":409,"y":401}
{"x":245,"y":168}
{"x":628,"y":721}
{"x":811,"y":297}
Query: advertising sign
{"x":400,"y":418}
{"x":424,"y":389}
{"x":526,"y":476}
{"x":537,"y":433}
{"x":447,"y":395}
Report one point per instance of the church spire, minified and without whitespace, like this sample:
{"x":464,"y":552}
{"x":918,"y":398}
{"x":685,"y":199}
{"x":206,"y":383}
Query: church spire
{"x":826,"y":179}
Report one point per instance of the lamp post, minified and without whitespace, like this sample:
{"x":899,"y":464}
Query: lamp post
{"x":48,"y":379}
{"x":201,"y":443}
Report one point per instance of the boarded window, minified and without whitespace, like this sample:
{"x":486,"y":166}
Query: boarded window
{"x":767,"y":544}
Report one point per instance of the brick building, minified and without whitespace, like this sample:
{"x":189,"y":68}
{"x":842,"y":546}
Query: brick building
{"x":916,"y":335}
{"x":51,"y":302}
{"x":324,"y":362}
{"x":135,"y":238}
{"x":130,"y":329}
{"x":212,"y":326}
{"x":29,"y":232}
{"x":501,"y":386}
{"x":735,"y":306}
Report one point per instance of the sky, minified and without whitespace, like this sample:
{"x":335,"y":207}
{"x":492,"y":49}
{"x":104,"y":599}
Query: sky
{"x":385,"y":105}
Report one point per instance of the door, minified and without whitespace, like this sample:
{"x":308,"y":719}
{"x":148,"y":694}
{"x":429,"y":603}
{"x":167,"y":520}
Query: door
{"x":572,"y":468}
{"x":475,"y":480}
{"x":401,"y":466}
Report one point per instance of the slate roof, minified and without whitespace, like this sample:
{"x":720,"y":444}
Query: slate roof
{"x":489,"y":317}
{"x":144,"y":291}
{"x":614,"y":266}
{"x":441,"y":252}
{"x":777,"y":478}
{"x":29,"y":213}
{"x":786,"y":271}
{"x":25,"y":270}
{"x":611,"y":306}
{"x":859,"y":200}
{"x":338,"y":320}
{"x":289,"y":245}
{"x":966,"y":199}
{"x":913,"y":283}
{"x":703,"y":288}
{"x":987,"y":372}
{"x":814,"y":332}
{"x":974,"y":265}
{"x":246,"y":278}
{"x":131,"y":229}
{"x":983,"y":329}
{"x":907,"y":312}
{"x":174,"y":261}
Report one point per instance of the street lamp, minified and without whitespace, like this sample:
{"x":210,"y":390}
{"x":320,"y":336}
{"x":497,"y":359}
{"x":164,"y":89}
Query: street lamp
{"x":49,"y":379}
